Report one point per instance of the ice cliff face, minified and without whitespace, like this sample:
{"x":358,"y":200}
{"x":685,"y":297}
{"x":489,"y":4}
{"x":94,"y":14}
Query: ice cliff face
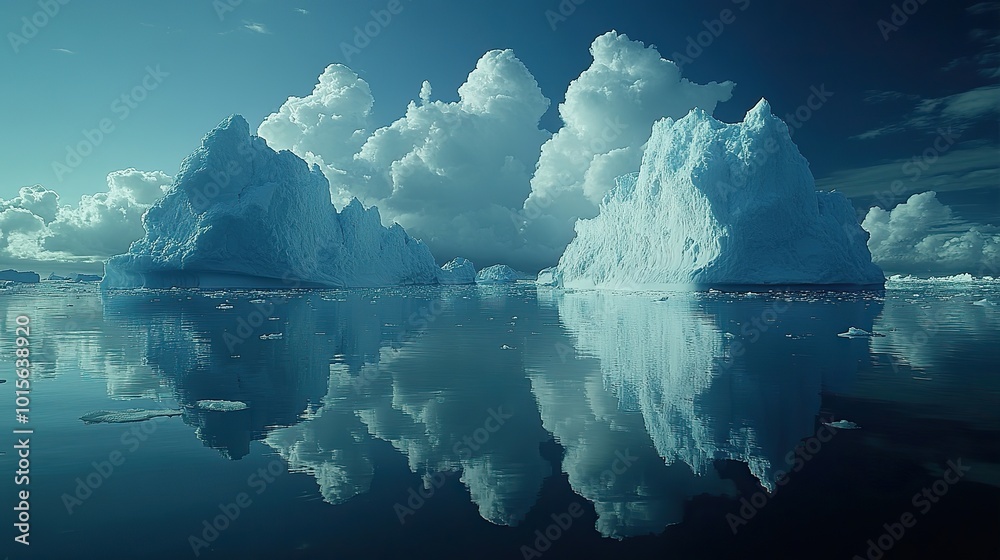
{"x":717,"y":203}
{"x":241,"y":214}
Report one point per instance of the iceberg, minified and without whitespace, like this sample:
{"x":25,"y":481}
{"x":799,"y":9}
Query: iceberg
{"x":17,"y":276}
{"x":125,"y":416}
{"x":719,"y":204}
{"x":500,"y":274}
{"x":458,"y":271}
{"x":221,"y":405}
{"x":240,"y":214}
{"x":75,"y":277}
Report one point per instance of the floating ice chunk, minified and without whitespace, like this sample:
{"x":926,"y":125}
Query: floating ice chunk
{"x":984,"y":303}
{"x":499,"y":274}
{"x":458,"y":271}
{"x":271,"y":336}
{"x":855,"y":332}
{"x":221,"y":406}
{"x":225,"y":305}
{"x":842,"y":425}
{"x":128,"y":415}
{"x":505,"y":347}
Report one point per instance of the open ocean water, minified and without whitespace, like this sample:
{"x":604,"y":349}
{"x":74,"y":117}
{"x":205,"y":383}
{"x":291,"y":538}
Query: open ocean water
{"x":504,"y":421}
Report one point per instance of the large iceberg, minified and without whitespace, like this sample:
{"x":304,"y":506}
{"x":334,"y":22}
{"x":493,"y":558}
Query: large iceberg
{"x":715,"y":204}
{"x":16,"y":276}
{"x":240,"y":214}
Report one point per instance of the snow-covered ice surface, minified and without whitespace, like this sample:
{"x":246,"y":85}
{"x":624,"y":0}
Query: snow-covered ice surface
{"x":717,"y":203}
{"x":124,"y":416}
{"x":458,"y":271}
{"x":221,"y":405}
{"x":500,"y":274}
{"x":240,"y":214}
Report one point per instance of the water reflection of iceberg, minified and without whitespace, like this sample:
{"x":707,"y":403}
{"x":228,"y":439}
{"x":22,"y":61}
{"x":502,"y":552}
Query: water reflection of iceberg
{"x":208,"y":351}
{"x":713,"y":376}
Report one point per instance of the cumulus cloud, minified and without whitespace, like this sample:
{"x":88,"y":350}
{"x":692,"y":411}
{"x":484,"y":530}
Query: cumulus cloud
{"x":478,"y":177}
{"x":608,"y":116}
{"x":923,"y":236}
{"x":35,"y":227}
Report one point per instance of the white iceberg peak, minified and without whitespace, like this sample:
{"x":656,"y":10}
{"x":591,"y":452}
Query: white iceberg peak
{"x":718,"y":203}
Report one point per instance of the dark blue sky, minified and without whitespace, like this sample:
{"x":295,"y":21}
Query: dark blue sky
{"x":938,"y":69}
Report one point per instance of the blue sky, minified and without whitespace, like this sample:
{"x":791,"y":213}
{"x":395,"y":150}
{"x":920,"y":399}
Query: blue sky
{"x":893,"y":89}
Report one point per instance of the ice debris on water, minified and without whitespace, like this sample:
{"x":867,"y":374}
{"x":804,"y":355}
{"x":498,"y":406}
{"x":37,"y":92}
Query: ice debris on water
{"x":842,"y":425}
{"x":855,"y":332}
{"x":984,"y":303}
{"x":271,"y":336}
{"x":128,"y":415}
{"x":221,"y":405}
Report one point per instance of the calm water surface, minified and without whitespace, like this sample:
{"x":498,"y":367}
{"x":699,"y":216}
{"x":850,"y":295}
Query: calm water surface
{"x":508,"y":422}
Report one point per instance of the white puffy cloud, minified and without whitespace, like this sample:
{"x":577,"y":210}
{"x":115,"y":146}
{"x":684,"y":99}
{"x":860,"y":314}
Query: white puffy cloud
{"x":608,"y":114}
{"x":34,"y":227}
{"x":329,"y":125}
{"x":478,"y":177}
{"x":923,"y":236}
{"x":451,"y":173}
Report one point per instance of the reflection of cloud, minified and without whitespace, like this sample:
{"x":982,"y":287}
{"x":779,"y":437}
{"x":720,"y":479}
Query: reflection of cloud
{"x":425,"y":398}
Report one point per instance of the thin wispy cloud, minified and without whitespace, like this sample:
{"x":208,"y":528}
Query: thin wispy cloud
{"x":256,"y":27}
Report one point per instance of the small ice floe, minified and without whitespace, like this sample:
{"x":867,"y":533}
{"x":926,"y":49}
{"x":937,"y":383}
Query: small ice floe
{"x":221,"y":406}
{"x":728,"y":335}
{"x":842,"y":425}
{"x":984,"y":303}
{"x":505,"y":347}
{"x":224,"y":305}
{"x":258,"y":300}
{"x":271,"y":336}
{"x":664,"y":298}
{"x":128,"y":415}
{"x":855,"y":332}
